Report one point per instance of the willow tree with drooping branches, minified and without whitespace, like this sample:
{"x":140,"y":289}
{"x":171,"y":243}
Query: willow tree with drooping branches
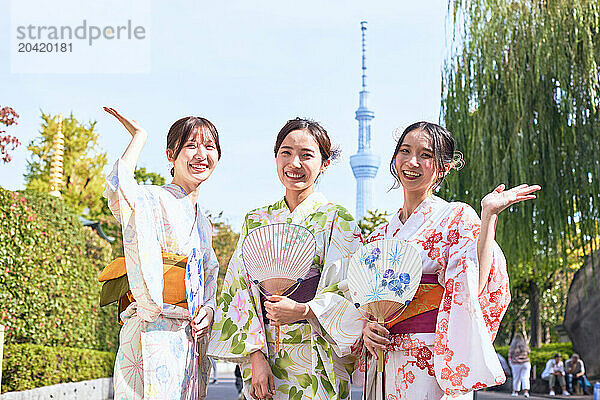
{"x":521,"y":95}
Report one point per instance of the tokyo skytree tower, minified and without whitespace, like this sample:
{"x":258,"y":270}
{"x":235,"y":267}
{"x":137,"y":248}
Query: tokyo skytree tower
{"x":364,"y":163}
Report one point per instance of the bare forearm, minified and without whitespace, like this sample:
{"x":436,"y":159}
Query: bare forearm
{"x":485,"y":246}
{"x":256,"y":356}
{"x":134,"y":149}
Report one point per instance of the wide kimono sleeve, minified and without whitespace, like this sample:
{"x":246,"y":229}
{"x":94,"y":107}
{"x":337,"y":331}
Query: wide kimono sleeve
{"x":237,"y":331}
{"x":468,"y":319}
{"x":212,"y":270}
{"x":134,"y":207}
{"x":336,"y":316}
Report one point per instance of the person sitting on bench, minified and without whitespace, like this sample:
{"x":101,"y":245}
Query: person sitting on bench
{"x":555,"y":371}
{"x":575,"y":370}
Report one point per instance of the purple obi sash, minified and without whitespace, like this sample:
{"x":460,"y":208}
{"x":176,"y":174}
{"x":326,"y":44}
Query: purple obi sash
{"x":305,"y":292}
{"x":420,"y":323}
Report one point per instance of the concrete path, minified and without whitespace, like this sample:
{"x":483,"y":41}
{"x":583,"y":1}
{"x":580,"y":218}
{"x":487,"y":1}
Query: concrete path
{"x":224,"y":389}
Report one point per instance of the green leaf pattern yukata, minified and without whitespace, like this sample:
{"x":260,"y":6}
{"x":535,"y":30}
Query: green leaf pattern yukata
{"x":315,"y":359}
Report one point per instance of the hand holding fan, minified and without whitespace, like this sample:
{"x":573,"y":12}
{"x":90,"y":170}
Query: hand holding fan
{"x":277,"y":257}
{"x":383,"y":277}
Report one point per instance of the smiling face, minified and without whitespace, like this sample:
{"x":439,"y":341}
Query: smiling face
{"x":196,"y":161}
{"x":299,"y":161}
{"x":415,"y":163}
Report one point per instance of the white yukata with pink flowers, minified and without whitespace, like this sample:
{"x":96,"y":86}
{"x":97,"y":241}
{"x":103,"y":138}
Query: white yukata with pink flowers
{"x":158,"y":357}
{"x":459,"y":357}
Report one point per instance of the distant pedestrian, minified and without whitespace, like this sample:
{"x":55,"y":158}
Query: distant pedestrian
{"x":239,"y":382}
{"x":214,"y":370}
{"x":518,"y":357}
{"x":575,"y":370}
{"x":554,"y":371}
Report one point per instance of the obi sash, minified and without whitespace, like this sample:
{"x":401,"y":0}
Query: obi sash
{"x":115,"y":286}
{"x":305,"y":292}
{"x":420,"y":315}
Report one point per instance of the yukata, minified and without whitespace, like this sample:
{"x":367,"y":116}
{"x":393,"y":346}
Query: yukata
{"x":158,"y":356}
{"x":457,"y":355}
{"x":315,"y":356}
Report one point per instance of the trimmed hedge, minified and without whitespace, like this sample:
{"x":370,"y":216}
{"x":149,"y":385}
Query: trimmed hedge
{"x":539,"y":357}
{"x":49,"y":264}
{"x":28,"y":366}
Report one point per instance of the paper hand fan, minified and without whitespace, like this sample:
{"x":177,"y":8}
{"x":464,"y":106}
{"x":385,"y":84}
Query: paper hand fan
{"x":383,"y":277}
{"x":194,"y":280}
{"x":277,"y":257}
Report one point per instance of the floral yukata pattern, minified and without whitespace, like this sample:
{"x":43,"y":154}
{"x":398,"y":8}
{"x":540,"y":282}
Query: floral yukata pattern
{"x":459,"y":357}
{"x":315,"y":358}
{"x":158,"y":357}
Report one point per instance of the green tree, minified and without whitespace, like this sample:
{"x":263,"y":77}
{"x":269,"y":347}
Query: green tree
{"x":142,"y":176}
{"x":83,"y":164}
{"x":49,"y":289}
{"x":521,"y":94}
{"x":224,"y":243}
{"x":373,"y":219}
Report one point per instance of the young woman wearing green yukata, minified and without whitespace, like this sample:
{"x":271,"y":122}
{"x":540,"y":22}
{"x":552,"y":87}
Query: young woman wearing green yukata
{"x":318,"y":324}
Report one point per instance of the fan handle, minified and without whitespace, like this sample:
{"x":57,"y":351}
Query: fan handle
{"x":276,"y":333}
{"x":380,"y":361}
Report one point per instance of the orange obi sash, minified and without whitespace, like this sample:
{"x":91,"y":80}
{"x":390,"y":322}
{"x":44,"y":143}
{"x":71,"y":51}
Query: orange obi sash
{"x":115,"y":285}
{"x":421,"y":314}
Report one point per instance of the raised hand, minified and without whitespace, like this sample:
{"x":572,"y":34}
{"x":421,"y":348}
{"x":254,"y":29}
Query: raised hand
{"x":130,"y":124}
{"x":491,"y":205}
{"x":500,"y":199}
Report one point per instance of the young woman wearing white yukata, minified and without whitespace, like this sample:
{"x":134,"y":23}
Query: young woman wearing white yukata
{"x":166,"y":238}
{"x":443,"y":348}
{"x":318,"y":323}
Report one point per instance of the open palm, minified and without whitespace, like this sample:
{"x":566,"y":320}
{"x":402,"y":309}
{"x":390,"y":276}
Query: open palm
{"x":499,"y":199}
{"x":131,"y":125}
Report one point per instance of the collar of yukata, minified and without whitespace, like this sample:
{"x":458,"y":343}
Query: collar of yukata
{"x":307,"y":207}
{"x":431,"y":199}
{"x":175,"y":189}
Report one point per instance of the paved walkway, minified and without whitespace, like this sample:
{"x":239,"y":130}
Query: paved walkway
{"x":491,"y":395}
{"x":224,"y":389}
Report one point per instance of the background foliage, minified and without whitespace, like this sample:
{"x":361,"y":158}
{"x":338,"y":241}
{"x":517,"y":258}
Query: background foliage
{"x":83,"y":164}
{"x":539,"y":356}
{"x":27,"y":366}
{"x":372,"y":220}
{"x":224,"y":243}
{"x":48,"y":280}
{"x":521,"y":95}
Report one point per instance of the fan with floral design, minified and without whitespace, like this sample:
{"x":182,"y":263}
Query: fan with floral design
{"x":383,"y":277}
{"x":278,"y":257}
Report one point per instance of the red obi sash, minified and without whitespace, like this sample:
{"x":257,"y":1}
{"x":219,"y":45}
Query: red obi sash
{"x":420,"y":316}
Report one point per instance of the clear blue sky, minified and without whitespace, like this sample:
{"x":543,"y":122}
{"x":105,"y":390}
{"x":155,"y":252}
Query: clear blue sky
{"x":249,"y":67}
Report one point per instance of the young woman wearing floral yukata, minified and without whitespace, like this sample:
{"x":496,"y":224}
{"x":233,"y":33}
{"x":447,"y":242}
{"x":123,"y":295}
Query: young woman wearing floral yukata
{"x":162,"y":343}
{"x":318,"y":324}
{"x":443,"y":352}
